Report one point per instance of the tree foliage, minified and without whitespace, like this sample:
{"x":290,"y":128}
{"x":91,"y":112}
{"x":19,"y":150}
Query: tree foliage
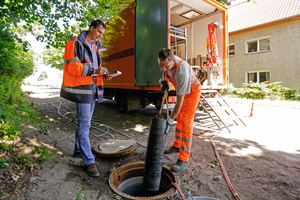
{"x":50,"y":21}
{"x":98,"y":9}
{"x":225,"y":2}
{"x":228,"y":2}
{"x":16,"y":64}
{"x":58,"y":20}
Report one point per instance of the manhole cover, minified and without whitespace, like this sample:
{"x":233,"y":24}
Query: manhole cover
{"x":115,"y":147}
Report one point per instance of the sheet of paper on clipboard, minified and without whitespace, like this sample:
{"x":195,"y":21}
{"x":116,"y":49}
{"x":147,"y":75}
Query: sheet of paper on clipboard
{"x":113,"y":74}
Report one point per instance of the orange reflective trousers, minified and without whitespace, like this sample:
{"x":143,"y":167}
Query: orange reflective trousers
{"x":185,"y":118}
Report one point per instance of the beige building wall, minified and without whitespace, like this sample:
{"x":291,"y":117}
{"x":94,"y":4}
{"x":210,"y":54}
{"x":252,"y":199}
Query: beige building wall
{"x":282,"y":60}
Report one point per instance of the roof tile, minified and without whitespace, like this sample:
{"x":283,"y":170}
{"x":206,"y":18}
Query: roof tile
{"x":250,"y":14}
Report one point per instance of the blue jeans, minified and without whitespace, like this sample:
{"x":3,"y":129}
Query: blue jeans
{"x":82,"y":140}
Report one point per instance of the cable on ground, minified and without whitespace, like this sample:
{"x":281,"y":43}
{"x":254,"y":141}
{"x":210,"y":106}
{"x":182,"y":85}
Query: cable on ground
{"x":178,"y":189}
{"x":209,"y":134}
{"x":71,"y":117}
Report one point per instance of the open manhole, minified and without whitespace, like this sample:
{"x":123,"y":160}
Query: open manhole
{"x":115,"y":147}
{"x":127,"y":182}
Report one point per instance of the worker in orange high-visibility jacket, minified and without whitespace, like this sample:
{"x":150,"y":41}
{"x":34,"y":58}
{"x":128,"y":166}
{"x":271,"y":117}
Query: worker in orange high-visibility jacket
{"x":83,"y":84}
{"x":188,"y":89}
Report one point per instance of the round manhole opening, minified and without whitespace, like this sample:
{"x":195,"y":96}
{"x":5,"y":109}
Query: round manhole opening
{"x":127,"y":181}
{"x":115,"y":147}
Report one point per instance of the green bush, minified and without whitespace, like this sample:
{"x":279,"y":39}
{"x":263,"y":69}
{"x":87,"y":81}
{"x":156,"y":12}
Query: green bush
{"x":8,"y":131}
{"x":16,"y":64}
{"x":272,"y":91}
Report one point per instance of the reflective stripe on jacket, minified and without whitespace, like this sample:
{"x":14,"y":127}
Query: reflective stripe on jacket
{"x":78,"y":84}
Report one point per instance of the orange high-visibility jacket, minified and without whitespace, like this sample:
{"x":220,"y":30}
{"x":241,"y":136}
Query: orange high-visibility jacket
{"x":78,"y":84}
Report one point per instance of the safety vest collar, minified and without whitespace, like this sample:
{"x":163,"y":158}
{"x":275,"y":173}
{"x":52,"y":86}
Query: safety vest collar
{"x":177,"y":65}
{"x":173,"y":81}
{"x":82,"y":38}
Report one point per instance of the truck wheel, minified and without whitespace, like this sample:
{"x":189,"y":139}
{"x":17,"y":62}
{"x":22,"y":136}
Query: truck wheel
{"x":127,"y":100}
{"x":122,"y":103}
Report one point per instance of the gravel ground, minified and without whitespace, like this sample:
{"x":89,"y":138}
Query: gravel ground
{"x":262,"y":159}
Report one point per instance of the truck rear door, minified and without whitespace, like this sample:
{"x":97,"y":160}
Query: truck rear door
{"x":151,"y":32}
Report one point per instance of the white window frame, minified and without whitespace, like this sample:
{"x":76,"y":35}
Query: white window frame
{"x":257,"y":40}
{"x":257,"y":78}
{"x":229,"y":50}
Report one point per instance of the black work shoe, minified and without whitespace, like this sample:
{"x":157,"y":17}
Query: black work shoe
{"x":76,"y":155}
{"x":179,"y":166}
{"x":172,"y":150}
{"x":92,"y":170}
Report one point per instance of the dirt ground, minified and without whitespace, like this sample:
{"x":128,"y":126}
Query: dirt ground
{"x":262,"y":160}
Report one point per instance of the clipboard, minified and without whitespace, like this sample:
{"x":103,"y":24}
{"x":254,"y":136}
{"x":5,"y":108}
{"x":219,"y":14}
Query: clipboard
{"x":113,"y":74}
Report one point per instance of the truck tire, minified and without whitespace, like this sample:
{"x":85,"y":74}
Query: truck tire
{"x":127,"y":100}
{"x":122,"y":103}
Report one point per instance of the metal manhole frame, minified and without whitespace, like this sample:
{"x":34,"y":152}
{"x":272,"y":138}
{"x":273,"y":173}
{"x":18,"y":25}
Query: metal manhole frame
{"x":123,"y":152}
{"x":136,"y":165}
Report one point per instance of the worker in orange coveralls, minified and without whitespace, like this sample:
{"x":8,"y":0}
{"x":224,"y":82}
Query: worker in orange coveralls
{"x":188,"y":89}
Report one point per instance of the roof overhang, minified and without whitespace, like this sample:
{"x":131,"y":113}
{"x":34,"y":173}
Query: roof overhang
{"x":265,"y":25}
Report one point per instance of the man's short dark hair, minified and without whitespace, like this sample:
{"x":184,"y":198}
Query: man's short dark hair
{"x":165,"y":54}
{"x":96,"y":22}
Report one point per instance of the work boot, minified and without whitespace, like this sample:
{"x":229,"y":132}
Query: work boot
{"x":179,"y":166}
{"x":76,"y":155}
{"x":92,"y":170}
{"x":172,"y":150}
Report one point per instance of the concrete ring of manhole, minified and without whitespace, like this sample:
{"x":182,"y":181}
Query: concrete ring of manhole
{"x":115,"y":147}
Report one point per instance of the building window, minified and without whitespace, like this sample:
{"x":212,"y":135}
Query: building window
{"x":258,"y":45}
{"x":258,"y":77}
{"x":231,"y":50}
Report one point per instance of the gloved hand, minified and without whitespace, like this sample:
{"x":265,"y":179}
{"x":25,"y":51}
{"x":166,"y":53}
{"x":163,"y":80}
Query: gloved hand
{"x":164,"y":85}
{"x":169,"y":123}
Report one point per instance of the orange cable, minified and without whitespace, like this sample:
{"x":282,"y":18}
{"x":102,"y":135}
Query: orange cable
{"x":204,"y":134}
{"x":224,"y":171}
{"x":177,"y":187}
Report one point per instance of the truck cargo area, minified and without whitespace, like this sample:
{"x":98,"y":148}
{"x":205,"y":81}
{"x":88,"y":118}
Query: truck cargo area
{"x":188,"y":39}
{"x":136,"y":34}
